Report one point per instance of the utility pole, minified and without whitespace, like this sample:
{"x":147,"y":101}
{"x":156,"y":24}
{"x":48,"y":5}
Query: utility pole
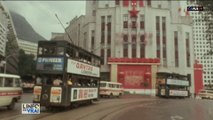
{"x":64,"y":29}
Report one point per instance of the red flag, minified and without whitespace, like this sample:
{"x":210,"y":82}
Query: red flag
{"x":134,"y":3}
{"x":141,"y":4}
{"x":125,"y":3}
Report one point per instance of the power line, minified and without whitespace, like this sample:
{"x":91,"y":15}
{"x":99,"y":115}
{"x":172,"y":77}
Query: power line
{"x":64,"y":28}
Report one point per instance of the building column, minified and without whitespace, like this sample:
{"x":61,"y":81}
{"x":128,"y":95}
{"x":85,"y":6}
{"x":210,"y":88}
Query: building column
{"x":154,"y":76}
{"x":114,"y":73}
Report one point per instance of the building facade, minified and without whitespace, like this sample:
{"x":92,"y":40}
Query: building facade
{"x":8,"y":44}
{"x":138,"y":30}
{"x":202,"y":45}
{"x":28,"y":47}
{"x":3,"y":30}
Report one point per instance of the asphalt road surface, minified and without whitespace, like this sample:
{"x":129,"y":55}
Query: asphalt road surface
{"x":129,"y":107}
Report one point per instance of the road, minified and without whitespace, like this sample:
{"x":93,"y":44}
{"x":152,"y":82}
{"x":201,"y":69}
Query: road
{"x":129,"y":107}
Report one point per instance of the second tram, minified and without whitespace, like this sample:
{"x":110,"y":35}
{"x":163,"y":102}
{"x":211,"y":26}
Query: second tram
{"x":66,"y":75}
{"x":172,"y":85}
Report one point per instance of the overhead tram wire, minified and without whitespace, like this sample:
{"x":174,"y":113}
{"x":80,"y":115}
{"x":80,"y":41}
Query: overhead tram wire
{"x":64,"y":29}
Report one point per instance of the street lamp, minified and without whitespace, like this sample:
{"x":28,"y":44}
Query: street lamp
{"x":5,"y":62}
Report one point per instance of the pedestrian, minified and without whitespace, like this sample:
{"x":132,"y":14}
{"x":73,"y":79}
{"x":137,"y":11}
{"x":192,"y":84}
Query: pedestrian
{"x":38,"y":80}
{"x":57,"y":81}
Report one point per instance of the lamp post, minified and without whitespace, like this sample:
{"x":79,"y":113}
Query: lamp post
{"x":5,"y":62}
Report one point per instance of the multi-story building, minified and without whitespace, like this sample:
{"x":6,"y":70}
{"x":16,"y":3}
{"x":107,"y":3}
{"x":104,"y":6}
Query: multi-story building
{"x":57,"y":36}
{"x":8,"y":42}
{"x":3,"y":30}
{"x":136,"y":31}
{"x":202,"y":45}
{"x":28,"y":47}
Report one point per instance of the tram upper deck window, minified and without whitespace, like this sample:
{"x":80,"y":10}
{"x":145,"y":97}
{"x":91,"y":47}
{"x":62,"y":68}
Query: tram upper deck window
{"x":1,"y":82}
{"x":50,"y":50}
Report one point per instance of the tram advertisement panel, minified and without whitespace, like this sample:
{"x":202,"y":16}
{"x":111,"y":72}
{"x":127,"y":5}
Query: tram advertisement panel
{"x":83,"y":94}
{"x":82,"y":68}
{"x":50,"y":63}
{"x":177,"y":82}
{"x":178,"y":93}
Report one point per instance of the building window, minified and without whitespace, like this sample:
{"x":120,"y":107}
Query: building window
{"x":125,"y":22}
{"x":102,"y":56}
{"x":94,"y":12}
{"x":109,"y":29}
{"x":133,"y":46}
{"x":142,"y":46}
{"x":158,"y":36}
{"x":134,"y":24}
{"x":164,"y":41}
{"x":117,"y":2}
{"x":108,"y":53}
{"x":176,"y":49}
{"x":148,"y":2}
{"x":125,"y":45}
{"x":102,"y":29}
{"x":188,"y":50}
{"x":93,"y":40}
{"x":141,"y":21}
{"x":133,"y":50}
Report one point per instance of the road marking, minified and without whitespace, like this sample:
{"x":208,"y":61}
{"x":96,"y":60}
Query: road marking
{"x":177,"y":117}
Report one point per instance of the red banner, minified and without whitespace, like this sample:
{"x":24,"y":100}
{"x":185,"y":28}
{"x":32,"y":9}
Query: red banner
{"x":135,"y":77}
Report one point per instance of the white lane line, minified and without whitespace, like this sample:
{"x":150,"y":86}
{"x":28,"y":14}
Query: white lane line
{"x":176,"y":117}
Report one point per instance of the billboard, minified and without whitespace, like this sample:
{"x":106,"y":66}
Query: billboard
{"x":83,"y":94}
{"x":80,"y":68}
{"x":50,"y":63}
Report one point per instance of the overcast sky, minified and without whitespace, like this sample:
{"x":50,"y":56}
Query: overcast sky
{"x":41,"y":14}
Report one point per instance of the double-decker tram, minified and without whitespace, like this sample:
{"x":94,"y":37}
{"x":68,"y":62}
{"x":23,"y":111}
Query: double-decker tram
{"x":66,"y":75}
{"x":172,"y":85}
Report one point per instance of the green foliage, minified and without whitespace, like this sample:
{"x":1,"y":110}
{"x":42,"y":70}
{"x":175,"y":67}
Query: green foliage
{"x":26,"y":65}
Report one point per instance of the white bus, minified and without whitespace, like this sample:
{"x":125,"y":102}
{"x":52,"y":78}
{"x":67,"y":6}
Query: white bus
{"x":110,"y":89}
{"x":10,"y":90}
{"x":206,"y":94}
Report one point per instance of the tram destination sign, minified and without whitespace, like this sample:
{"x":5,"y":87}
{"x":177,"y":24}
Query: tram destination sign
{"x":50,"y":63}
{"x":80,"y":68}
{"x":177,"y":82}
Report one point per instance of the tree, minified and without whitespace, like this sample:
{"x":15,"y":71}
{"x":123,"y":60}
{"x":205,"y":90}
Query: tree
{"x":26,"y":65}
{"x":207,"y":15}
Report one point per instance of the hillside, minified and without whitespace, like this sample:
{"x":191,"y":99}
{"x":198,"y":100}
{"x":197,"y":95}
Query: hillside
{"x":24,"y":30}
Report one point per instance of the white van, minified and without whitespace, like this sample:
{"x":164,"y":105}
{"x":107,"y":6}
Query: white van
{"x":10,"y":90}
{"x":110,"y":89}
{"x":206,"y":94}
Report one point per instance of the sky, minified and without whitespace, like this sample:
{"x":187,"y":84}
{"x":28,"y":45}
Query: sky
{"x":41,"y":14}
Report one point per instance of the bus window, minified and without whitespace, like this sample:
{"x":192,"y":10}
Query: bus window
{"x":1,"y":82}
{"x":102,"y":84}
{"x":117,"y":86}
{"x":60,"y":51}
{"x":17,"y":83}
{"x":110,"y":85}
{"x":8,"y":82}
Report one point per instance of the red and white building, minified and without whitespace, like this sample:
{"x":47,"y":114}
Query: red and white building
{"x":136,"y":39}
